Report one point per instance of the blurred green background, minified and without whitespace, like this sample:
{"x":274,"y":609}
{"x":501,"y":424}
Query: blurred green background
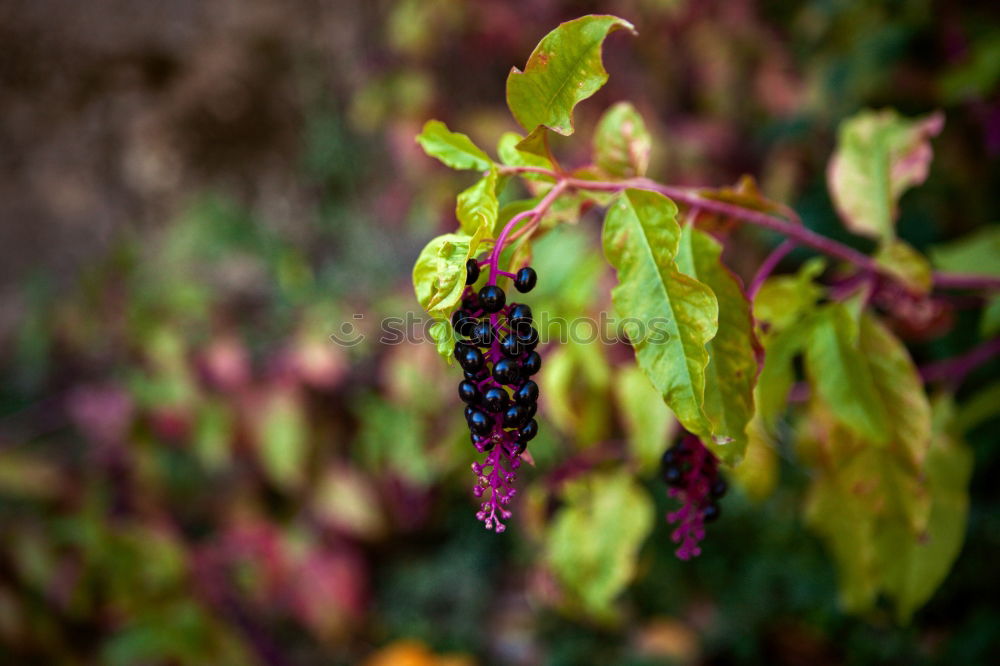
{"x":194,"y":196}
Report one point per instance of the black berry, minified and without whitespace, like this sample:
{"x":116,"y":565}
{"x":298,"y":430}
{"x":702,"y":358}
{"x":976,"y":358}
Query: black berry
{"x":477,"y":375}
{"x":527,"y":393}
{"x":471,"y":271}
{"x":480,"y":423}
{"x":528,"y":337}
{"x":468,"y":392}
{"x":506,"y":371}
{"x":492,"y":298}
{"x":470,"y":303}
{"x":482,"y":334}
{"x":518,"y":447}
{"x":719,"y":488}
{"x":495,"y":400}
{"x":531,"y":364}
{"x":470,"y":358}
{"x":711,"y":513}
{"x":528,"y":431}
{"x":672,"y":475}
{"x":468,"y":411}
{"x":514,"y":416}
{"x":510,"y":346}
{"x":525,"y":280}
{"x":520,"y":316}
{"x":530,"y":409}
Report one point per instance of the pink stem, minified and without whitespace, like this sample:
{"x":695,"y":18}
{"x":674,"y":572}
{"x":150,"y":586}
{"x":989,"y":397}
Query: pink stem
{"x":536,"y":212}
{"x":768,"y":265}
{"x":954,"y":370}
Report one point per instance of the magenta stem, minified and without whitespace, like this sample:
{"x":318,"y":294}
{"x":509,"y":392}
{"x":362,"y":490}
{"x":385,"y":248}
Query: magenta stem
{"x":791,"y":228}
{"x":768,"y":265}
{"x":954,"y":370}
{"x":534,"y":213}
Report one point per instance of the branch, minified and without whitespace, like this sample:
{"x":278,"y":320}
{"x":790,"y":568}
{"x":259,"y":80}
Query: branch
{"x":768,"y":266}
{"x":954,"y":370}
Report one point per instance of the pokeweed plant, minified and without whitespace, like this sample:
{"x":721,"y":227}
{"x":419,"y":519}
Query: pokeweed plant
{"x":889,"y":473}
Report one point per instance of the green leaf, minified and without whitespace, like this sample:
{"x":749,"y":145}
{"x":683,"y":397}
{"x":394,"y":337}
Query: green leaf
{"x":512,"y":154}
{"x":977,"y":253}
{"x":838,"y":371}
{"x":478,"y":206}
{"x":622,"y":142}
{"x":783,"y":300}
{"x":439,"y":274}
{"x":676,"y":315}
{"x":454,"y":149}
{"x":649,"y":425}
{"x":916,"y":566}
{"x":593,"y":542}
{"x":732,"y":368}
{"x":757,"y":475}
{"x":443,"y":335}
{"x":900,"y":390}
{"x":911,"y":268}
{"x":778,"y":374}
{"x":576,"y":384}
{"x":563,"y":70}
{"x":282,"y":443}
{"x":879,"y":155}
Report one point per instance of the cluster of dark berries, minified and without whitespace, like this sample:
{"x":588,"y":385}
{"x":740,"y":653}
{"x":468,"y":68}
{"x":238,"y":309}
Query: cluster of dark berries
{"x":496,"y":349}
{"x":692,"y":474}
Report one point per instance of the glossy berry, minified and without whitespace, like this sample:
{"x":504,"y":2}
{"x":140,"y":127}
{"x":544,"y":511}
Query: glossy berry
{"x":470,"y":358}
{"x":510,"y":346}
{"x":527,"y":393}
{"x":468,"y":392}
{"x":669,"y":457}
{"x":506,"y":371}
{"x":528,"y":431}
{"x":471,"y":271}
{"x":495,"y":400}
{"x":530,"y":409}
{"x":528,"y":337}
{"x":492,"y":299}
{"x":482,"y":334}
{"x":518,"y":447}
{"x":520,"y":316}
{"x":525,"y":280}
{"x":468,"y":411}
{"x":719,"y":488}
{"x":471,"y":303}
{"x":711,"y":513}
{"x":463,"y":323}
{"x":672,"y":475}
{"x":480,"y":423}
{"x":477,"y":375}
{"x":514,"y":416}
{"x":531,"y":364}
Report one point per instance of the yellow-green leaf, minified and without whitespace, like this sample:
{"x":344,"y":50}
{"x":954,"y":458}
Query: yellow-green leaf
{"x":902,"y":261}
{"x":478,"y":206}
{"x":648,"y":423}
{"x":879,"y":155}
{"x":622,"y":142}
{"x":563,"y":70}
{"x":732,"y":367}
{"x":675,"y":315}
{"x":593,"y":542}
{"x":512,"y":154}
{"x":439,"y":274}
{"x":454,"y":149}
{"x":977,"y":253}
{"x":840,"y":374}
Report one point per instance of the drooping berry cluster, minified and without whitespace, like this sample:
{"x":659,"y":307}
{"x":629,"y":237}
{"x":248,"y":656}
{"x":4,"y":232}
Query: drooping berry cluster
{"x":692,"y":474}
{"x":496,"y":349}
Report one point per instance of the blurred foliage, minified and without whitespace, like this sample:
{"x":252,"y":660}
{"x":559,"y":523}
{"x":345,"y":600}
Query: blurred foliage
{"x":192,"y":472}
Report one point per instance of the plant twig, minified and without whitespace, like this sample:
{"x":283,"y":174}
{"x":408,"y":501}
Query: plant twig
{"x":768,"y":265}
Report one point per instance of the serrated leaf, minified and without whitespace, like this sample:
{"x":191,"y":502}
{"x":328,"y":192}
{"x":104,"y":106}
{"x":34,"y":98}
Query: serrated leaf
{"x":677,"y":315}
{"x":879,"y":156}
{"x":977,"y":253}
{"x":903,"y":262}
{"x":477,"y":206}
{"x":563,"y":70}
{"x":439,"y":273}
{"x":593,"y":542}
{"x":454,"y":149}
{"x":649,"y":425}
{"x":732,"y":368}
{"x":839,"y":373}
{"x":622,"y":142}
